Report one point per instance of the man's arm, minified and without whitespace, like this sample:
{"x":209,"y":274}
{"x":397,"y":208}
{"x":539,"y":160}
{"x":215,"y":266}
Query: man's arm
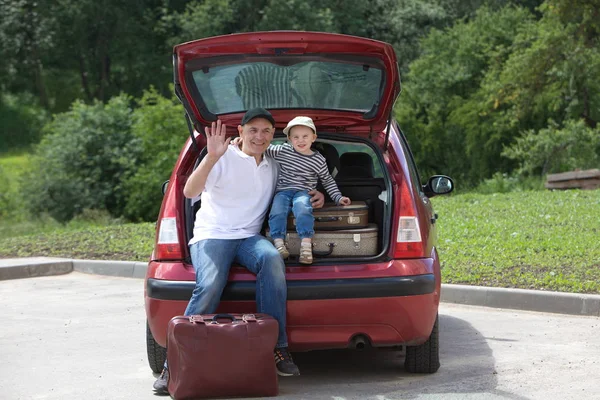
{"x":197,"y":181}
{"x":216,"y":146}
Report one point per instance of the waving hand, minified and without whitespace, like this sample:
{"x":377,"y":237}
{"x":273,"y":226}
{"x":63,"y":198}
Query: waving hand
{"x":216,"y":146}
{"x":216,"y":142}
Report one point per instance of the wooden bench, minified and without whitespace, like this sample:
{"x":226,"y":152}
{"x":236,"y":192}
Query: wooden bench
{"x":588,"y":179}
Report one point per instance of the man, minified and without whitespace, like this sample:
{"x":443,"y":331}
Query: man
{"x":237,"y":185}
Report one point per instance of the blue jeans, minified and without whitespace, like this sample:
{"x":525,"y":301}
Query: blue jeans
{"x":299,"y":202}
{"x":212,"y":260}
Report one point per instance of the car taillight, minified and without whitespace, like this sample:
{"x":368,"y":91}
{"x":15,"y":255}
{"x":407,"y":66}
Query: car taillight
{"x":409,"y":243}
{"x":167,"y":243}
{"x":408,"y":230}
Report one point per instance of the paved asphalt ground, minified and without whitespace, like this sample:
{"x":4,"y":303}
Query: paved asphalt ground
{"x":80,"y":336}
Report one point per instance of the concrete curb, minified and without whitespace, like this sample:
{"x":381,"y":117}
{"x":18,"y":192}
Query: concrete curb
{"x":520,"y":299}
{"x":128,"y":269}
{"x":18,"y":268}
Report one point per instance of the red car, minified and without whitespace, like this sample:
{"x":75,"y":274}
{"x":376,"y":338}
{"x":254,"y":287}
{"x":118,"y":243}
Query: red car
{"x":348,"y":86}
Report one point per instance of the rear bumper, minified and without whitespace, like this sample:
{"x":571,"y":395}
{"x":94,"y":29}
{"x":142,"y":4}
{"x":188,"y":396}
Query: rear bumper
{"x":390,"y":309}
{"x":305,"y":290}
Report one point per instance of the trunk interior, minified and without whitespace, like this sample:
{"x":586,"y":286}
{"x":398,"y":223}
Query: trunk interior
{"x":359,"y":171}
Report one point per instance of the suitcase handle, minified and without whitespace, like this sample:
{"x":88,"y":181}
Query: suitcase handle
{"x":327,"y":219}
{"x":214,"y":319}
{"x":317,"y":253}
{"x":224,"y":316}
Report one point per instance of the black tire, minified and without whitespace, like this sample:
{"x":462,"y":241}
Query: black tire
{"x":156,"y":353}
{"x":425,"y":358}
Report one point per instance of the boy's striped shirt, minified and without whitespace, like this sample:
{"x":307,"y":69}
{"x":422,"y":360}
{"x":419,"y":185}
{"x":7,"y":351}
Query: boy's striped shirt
{"x":302,"y":172}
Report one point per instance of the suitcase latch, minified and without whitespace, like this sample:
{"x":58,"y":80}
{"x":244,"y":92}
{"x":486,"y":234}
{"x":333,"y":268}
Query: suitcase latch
{"x":353,"y":220}
{"x":356,"y":238}
{"x":249,"y":318}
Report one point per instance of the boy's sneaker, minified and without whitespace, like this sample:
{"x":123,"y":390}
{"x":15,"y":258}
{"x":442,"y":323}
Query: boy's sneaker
{"x":284,"y":363}
{"x":160,"y":386}
{"x":306,"y":256}
{"x":283,"y":251}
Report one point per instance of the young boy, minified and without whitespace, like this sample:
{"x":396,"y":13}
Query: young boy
{"x":299,"y":170}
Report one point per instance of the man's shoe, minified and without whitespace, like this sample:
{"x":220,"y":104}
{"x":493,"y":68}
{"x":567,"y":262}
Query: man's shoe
{"x":284,"y":363}
{"x":160,"y":386}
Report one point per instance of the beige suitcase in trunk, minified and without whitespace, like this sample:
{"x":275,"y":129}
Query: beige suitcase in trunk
{"x":342,"y":243}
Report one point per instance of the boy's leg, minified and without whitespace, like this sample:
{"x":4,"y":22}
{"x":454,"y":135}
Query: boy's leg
{"x":212,"y":260}
{"x":261,"y":258}
{"x":303,"y":212}
{"x":280,"y":209}
{"x":305,"y":225}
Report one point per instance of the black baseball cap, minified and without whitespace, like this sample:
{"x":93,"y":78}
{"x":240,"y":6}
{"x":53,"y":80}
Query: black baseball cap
{"x":257,"y":113}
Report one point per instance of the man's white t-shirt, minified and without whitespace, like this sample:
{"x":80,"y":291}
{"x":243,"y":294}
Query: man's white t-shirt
{"x":236,"y":197}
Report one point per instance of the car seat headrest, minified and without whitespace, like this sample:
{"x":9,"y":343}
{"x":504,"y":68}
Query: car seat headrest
{"x":356,"y":165}
{"x":331,"y":156}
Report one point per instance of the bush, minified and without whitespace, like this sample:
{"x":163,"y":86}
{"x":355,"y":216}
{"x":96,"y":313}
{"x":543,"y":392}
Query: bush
{"x":91,"y":217}
{"x":22,"y":119}
{"x":504,"y":183}
{"x":82,"y":161}
{"x":556,"y":149}
{"x":160,"y":126}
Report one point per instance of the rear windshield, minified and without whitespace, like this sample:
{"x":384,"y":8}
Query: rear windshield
{"x":290,"y":82}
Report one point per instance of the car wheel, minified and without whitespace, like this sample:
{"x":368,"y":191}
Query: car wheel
{"x":425,"y":358}
{"x":156,"y":353}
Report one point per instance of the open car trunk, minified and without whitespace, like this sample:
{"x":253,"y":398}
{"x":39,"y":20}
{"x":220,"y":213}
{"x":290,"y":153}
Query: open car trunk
{"x":346,"y":84}
{"x":358,"y":168}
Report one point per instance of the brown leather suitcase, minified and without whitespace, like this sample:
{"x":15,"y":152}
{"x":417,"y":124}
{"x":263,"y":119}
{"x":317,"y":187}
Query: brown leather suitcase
{"x":333,"y":217}
{"x":341,"y":243}
{"x":222,"y":355}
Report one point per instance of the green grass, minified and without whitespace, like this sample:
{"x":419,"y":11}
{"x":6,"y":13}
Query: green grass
{"x":12,"y":167}
{"x":534,"y":240}
{"x":126,"y":242}
{"x":16,"y":163}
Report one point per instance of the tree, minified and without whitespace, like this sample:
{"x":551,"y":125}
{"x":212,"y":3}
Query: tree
{"x":112,"y":45}
{"x":66,"y":49}
{"x":26,"y":38}
{"x":199,"y":19}
{"x":446,"y":107}
{"x":204,"y":18}
{"x":555,"y":72}
{"x":399,"y":22}
{"x":480,"y":84}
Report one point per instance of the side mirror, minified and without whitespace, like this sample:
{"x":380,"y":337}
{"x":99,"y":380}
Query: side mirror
{"x":164,"y":187}
{"x":438,"y":184}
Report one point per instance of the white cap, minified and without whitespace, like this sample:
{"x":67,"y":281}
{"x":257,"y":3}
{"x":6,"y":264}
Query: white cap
{"x":304,"y":121}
